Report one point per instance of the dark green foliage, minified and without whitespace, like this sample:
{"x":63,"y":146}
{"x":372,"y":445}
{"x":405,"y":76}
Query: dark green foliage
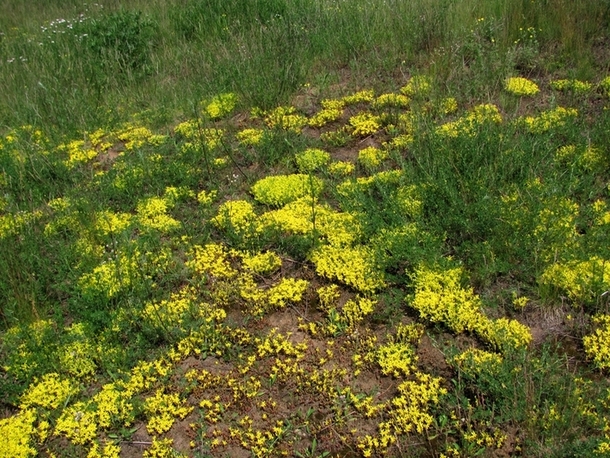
{"x":122,"y":41}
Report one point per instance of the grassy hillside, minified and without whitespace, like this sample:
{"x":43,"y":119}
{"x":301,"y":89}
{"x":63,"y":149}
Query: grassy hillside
{"x":305,"y":228}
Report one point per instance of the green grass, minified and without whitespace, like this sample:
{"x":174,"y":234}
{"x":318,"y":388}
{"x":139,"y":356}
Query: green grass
{"x":444,"y":293}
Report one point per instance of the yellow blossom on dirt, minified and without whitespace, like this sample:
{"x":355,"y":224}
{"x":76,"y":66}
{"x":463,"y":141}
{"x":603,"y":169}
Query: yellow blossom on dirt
{"x":597,"y":344}
{"x":49,"y":392}
{"x":279,"y":190}
{"x":16,"y":432}
{"x":163,"y":409}
{"x":353,"y":266}
{"x":521,"y":87}
{"x":250,"y":136}
{"x":221,"y":105}
{"x":371,"y":157}
{"x":365,"y":124}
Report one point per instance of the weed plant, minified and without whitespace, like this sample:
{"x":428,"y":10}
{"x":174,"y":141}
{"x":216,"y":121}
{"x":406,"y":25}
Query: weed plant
{"x":319,"y":228}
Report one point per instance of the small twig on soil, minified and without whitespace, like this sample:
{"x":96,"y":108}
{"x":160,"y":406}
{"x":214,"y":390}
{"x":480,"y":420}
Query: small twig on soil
{"x":299,"y":313}
{"x":137,"y":442}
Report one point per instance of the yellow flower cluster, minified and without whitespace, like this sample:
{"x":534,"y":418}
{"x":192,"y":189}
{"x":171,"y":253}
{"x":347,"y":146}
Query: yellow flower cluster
{"x":152,"y":214}
{"x":440,"y":298}
{"x":259,"y":301}
{"x":371,"y":157}
{"x":593,"y":158}
{"x":206,"y":198}
{"x":347,"y":319}
{"x":312,"y":159}
{"x":279,"y":190}
{"x":212,"y":259}
{"x":365,"y":124}
{"x":259,"y":442}
{"x":601,"y":213}
{"x":49,"y":393}
{"x":250,"y":136}
{"x":350,"y":188}
{"x":163,"y":409}
{"x":77,"y":423}
{"x":605,"y":85}
{"x":12,"y":223}
{"x":475,"y":362}
{"x":551,"y":119}
{"x":262,"y":263}
{"x":286,"y":118}
{"x":485,"y":439}
{"x":359,"y":97}
{"x":353,"y":266}
{"x":418,"y":86}
{"x":400,"y":142}
{"x":406,"y":413}
{"x":396,"y":359}
{"x":78,"y":356}
{"x":328,"y":295}
{"x":16,"y":433}
{"x":583,"y":281}
{"x":521,"y":87}
{"x":22,"y":361}
{"x":236,"y":217}
{"x":191,"y":130}
{"x":78,"y":153}
{"x":341,"y":168}
{"x":575,"y":86}
{"x":469,"y":124}
{"x":136,"y":136}
{"x":391,"y":100}
{"x":174,"y":312}
{"x":111,"y":277}
{"x":174,"y":194}
{"x":109,"y":451}
{"x":504,"y":334}
{"x":331,"y":111}
{"x":520,"y":302}
{"x":597,"y":345}
{"x":221,"y":105}
{"x":106,"y":222}
{"x":448,"y":106}
{"x":113,"y":406}
{"x":162,"y":448}
{"x":298,"y":217}
{"x":339,"y":137}
{"x":355,"y":311}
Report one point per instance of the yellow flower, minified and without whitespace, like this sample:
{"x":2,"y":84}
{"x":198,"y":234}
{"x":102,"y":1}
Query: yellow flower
{"x":417,"y":86}
{"x":371,"y":157}
{"x":250,"y":137}
{"x":391,"y":100}
{"x":597,"y":345}
{"x":575,"y":86}
{"x":312,"y":159}
{"x":163,"y":409}
{"x":279,"y":190}
{"x":365,"y":124}
{"x":550,"y":119}
{"x":353,"y":266}
{"x":15,"y":434}
{"x":262,"y":263}
{"x":359,"y":97}
{"x":341,"y":168}
{"x":521,"y":87}
{"x":286,"y":118}
{"x":331,"y":111}
{"x":221,"y":105}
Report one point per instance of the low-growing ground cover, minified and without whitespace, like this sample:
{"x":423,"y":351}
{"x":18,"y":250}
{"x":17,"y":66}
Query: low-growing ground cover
{"x":406,"y":272}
